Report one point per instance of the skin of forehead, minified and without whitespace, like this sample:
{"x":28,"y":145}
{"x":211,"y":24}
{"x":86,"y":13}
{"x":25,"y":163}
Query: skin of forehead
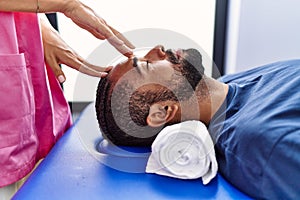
{"x":123,"y":67}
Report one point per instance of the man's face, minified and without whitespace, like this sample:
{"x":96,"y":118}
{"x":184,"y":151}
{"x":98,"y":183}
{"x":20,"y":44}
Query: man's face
{"x":157,"y":66}
{"x":126,"y":95}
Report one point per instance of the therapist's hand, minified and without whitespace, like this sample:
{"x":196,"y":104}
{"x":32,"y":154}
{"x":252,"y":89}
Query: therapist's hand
{"x":87,"y":19}
{"x":79,"y":13}
{"x":56,"y":52}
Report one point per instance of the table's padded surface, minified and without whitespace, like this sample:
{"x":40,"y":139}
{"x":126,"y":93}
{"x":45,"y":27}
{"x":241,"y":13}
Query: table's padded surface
{"x":79,"y":168}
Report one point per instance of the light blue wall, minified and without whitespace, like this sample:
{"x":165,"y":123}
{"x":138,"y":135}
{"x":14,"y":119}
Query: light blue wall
{"x":260,"y":32}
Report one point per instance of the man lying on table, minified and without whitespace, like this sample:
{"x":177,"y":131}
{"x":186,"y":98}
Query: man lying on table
{"x":253,"y":117}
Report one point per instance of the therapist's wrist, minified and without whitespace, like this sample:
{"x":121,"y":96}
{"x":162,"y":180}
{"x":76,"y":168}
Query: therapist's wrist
{"x":68,"y":6}
{"x":50,"y":6}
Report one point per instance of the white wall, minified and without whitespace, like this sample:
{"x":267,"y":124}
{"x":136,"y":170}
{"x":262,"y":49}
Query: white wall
{"x":145,"y":23}
{"x":260,"y":32}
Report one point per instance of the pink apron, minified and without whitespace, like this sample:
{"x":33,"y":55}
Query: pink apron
{"x":33,"y":110}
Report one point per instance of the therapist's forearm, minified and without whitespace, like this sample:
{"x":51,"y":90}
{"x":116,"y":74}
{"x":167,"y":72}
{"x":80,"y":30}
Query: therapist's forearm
{"x":43,"y":6}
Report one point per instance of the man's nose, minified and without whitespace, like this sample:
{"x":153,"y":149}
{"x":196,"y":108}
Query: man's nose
{"x":157,"y":53}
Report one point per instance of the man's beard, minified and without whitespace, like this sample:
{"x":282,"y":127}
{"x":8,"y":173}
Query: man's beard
{"x":191,"y":71}
{"x":192,"y":68}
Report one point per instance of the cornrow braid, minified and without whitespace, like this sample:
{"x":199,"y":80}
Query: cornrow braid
{"x":100,"y":106}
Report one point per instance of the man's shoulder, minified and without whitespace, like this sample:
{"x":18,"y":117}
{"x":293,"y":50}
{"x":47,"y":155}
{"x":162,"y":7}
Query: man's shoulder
{"x":286,"y":66}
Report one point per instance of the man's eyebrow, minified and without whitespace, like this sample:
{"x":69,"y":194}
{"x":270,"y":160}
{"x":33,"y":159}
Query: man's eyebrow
{"x":135,"y":62}
{"x":135,"y":65}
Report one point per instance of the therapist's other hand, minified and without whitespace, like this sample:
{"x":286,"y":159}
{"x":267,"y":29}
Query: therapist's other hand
{"x":87,"y":19}
{"x":56,"y":52}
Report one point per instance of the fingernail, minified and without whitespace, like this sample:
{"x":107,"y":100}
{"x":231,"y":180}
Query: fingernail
{"x":126,"y":51}
{"x":61,"y":78}
{"x":103,"y":74}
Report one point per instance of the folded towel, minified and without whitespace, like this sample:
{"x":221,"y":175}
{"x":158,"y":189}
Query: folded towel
{"x":184,"y":151}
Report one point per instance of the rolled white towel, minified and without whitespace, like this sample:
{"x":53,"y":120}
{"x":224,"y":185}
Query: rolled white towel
{"x":184,"y":151}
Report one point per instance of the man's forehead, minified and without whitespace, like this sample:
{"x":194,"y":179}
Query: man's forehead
{"x":119,"y":68}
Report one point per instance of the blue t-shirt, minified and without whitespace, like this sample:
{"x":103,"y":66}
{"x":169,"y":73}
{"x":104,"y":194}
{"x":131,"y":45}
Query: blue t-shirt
{"x":257,"y":131}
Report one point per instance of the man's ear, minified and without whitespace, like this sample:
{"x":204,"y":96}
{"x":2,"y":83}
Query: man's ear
{"x":160,"y":114}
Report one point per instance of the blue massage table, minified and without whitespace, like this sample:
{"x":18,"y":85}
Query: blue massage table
{"x":75,"y":169}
